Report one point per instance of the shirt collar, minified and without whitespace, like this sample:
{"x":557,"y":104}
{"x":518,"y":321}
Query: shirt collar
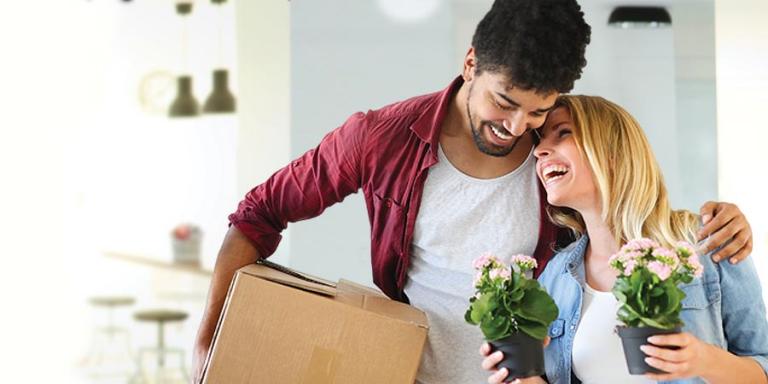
{"x":574,"y":254}
{"x":427,"y":126}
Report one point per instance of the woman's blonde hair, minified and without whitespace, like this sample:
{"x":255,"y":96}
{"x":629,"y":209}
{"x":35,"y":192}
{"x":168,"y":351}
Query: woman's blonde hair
{"x":632,"y":192}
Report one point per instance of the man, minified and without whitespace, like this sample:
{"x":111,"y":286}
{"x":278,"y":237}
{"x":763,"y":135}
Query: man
{"x":446,"y":177}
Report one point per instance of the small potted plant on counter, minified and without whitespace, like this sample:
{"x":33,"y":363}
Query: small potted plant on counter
{"x":186,"y":240}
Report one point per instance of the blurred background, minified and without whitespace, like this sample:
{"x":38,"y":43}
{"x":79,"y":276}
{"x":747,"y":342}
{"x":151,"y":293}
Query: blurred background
{"x":129,"y":130}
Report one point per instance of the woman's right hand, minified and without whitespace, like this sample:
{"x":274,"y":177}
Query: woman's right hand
{"x":499,"y":375}
{"x":489,"y":364}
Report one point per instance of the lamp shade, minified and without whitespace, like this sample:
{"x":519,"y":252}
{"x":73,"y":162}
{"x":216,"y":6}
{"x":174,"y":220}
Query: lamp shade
{"x":221,"y":99}
{"x":185,"y":104}
{"x":640,"y":17}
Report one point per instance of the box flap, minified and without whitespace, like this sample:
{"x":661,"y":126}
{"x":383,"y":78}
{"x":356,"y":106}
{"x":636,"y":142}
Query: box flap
{"x":286,"y":276}
{"x":347,"y":286}
{"x":374,"y":301}
{"x":396,"y":310}
{"x":345,"y":291}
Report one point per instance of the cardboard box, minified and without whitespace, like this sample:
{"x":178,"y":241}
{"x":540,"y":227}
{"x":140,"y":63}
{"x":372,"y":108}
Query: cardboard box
{"x":281,"y":326}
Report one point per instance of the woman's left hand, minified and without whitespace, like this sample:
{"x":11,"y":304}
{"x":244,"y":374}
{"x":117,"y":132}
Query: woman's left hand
{"x":693,"y":358}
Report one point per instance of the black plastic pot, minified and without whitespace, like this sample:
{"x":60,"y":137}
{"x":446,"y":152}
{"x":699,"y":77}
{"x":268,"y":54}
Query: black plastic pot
{"x":523,"y":355}
{"x":632,"y":338}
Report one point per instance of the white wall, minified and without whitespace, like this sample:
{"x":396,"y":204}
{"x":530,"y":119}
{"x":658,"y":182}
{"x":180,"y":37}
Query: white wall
{"x":742,"y":78}
{"x":696,"y":97}
{"x":85,"y":168}
{"x":665,"y":78}
{"x":349,"y":56}
{"x":264,"y":132}
{"x":636,"y":69}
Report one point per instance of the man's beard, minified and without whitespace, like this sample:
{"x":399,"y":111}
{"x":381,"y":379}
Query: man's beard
{"x":483,"y":145}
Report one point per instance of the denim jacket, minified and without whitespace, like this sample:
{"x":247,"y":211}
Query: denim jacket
{"x":723,"y":307}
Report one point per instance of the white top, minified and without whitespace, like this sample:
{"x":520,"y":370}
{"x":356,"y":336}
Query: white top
{"x":598,"y":356}
{"x":459,"y":219}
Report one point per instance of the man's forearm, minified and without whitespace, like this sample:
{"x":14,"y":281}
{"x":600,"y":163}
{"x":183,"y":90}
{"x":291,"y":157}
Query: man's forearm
{"x":236,"y":252}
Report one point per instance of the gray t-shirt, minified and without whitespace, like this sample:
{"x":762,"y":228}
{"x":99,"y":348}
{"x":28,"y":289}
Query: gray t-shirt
{"x":459,"y":219}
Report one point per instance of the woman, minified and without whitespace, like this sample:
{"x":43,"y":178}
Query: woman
{"x":604,"y":183}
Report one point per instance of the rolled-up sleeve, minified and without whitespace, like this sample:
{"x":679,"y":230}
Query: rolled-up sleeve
{"x":743,"y":309}
{"x":303,"y":189}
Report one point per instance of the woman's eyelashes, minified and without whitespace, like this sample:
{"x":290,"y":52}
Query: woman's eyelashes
{"x":558,"y":132}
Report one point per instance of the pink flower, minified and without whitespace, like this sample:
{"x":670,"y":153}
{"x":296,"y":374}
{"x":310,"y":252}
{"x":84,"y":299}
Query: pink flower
{"x":478,"y":277}
{"x":630,"y":267}
{"x":662,"y":270}
{"x":479,"y":262}
{"x":695,"y":265}
{"x":500,"y":272}
{"x":485,"y":259}
{"x":525,"y":262}
{"x":626,"y":261}
{"x":639,"y":245}
{"x":667,"y":257}
{"x":685,"y":247}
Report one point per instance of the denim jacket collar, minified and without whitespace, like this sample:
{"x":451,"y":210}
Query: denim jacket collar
{"x":573,"y":262}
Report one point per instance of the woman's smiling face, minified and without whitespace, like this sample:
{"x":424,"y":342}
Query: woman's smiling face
{"x":562,"y":167}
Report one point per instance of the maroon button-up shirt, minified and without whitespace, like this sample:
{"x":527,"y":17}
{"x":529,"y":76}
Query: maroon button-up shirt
{"x":387,"y":153}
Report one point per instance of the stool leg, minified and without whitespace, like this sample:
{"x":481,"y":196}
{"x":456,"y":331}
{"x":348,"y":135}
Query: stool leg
{"x":110,"y":321}
{"x":139,"y":376}
{"x":160,"y":345}
{"x":184,"y":371}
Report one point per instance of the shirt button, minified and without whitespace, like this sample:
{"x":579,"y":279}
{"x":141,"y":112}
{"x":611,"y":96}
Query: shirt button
{"x":389,"y":203}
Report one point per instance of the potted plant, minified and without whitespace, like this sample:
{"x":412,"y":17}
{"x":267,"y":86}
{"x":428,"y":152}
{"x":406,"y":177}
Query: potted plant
{"x":513,"y":311}
{"x":185,"y":240}
{"x":647,"y":287}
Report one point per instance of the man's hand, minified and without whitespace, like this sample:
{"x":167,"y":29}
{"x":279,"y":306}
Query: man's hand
{"x":236,"y":252}
{"x":199,"y":355}
{"x":725,"y":224}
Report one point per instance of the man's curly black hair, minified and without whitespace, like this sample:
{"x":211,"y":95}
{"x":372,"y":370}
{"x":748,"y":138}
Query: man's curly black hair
{"x":538,"y":44}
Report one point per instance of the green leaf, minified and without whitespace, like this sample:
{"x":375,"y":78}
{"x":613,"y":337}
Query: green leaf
{"x":535,"y":330}
{"x":652,"y":323}
{"x":636,"y":280}
{"x":516,"y":296}
{"x":480,"y":308}
{"x":495,"y":328}
{"x":639,"y":302}
{"x":538,"y":306}
{"x":628,"y":316}
{"x":468,"y":316}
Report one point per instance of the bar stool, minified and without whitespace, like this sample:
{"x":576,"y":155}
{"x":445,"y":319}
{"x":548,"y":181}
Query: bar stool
{"x":161,"y":372}
{"x":110,"y":352}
